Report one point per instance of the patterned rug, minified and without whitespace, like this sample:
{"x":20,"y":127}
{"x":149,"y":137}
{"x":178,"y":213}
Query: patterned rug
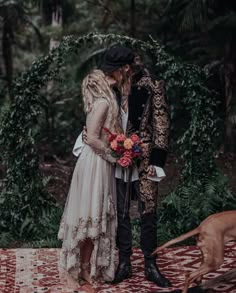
{"x":37,"y":271}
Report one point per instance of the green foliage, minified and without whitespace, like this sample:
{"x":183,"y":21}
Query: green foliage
{"x":63,"y":117}
{"x":184,"y":209}
{"x":24,"y":199}
{"x":45,"y":243}
{"x":24,"y":196}
{"x":135,"y":224}
{"x":47,"y":230}
{"x":6,"y":239}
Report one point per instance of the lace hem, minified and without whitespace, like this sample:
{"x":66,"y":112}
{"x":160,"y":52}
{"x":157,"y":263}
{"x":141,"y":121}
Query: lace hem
{"x":89,"y":227}
{"x":102,"y":267}
{"x":86,"y":228}
{"x":103,"y":260}
{"x":102,"y":231}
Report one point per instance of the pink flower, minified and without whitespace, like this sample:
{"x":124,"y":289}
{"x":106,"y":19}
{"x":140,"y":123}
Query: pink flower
{"x":120,"y":149}
{"x":124,"y":161}
{"x":128,"y":143}
{"x":112,"y":137}
{"x":114,"y":144}
{"x":121,"y":137}
{"x":135,"y":138}
{"x":128,"y":154}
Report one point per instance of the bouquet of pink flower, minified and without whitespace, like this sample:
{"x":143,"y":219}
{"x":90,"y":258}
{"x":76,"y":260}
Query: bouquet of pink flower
{"x":128,"y":150}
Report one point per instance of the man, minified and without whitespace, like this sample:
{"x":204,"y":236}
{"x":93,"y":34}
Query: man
{"x":144,"y":112}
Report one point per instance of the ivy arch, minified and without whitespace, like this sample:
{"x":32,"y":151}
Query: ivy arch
{"x":24,"y":199}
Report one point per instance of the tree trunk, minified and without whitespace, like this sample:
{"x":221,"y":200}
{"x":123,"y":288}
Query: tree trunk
{"x":53,"y":43}
{"x":7,"y":39}
{"x":106,"y":16}
{"x":1,"y":56}
{"x":230,"y":97}
{"x":132,"y":18}
{"x":56,"y":23}
{"x":46,"y":12}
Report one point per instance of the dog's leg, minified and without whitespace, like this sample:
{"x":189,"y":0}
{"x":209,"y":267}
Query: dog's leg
{"x":199,"y":279}
{"x":226,"y":277}
{"x":195,"y":275}
{"x":212,"y":260}
{"x":186,"y":284}
{"x":187,"y":277}
{"x":199,"y":273}
{"x":201,"y":270}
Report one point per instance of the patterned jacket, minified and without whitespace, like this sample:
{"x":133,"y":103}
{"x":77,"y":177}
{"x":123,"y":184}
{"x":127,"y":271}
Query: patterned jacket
{"x":149,"y":117}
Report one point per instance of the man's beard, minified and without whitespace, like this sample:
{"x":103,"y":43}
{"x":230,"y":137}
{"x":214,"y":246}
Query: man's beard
{"x":137,"y":68}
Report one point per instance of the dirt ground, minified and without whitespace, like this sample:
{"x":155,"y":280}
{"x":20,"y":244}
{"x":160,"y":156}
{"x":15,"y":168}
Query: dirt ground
{"x":60,"y":171}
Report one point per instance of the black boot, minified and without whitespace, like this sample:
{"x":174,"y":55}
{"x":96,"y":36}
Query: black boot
{"x":153,"y":274}
{"x":123,"y":272}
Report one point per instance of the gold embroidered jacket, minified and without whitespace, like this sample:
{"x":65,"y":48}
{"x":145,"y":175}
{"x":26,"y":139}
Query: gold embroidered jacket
{"x":149,"y":116}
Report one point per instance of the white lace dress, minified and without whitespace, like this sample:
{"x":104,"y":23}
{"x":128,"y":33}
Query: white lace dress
{"x":90,"y":210}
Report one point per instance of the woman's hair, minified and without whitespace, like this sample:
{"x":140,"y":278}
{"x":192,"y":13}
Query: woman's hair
{"x":95,"y":86}
{"x":125,"y":86}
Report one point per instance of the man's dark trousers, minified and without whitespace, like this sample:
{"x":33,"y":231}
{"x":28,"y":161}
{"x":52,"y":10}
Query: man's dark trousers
{"x":124,"y":233}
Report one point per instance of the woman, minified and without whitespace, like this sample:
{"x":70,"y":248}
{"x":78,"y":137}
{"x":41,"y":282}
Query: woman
{"x":88,"y":226}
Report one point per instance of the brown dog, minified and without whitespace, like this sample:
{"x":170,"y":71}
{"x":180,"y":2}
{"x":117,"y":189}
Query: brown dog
{"x":213,"y":233}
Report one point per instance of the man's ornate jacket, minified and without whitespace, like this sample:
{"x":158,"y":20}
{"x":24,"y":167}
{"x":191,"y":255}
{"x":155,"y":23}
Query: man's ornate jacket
{"x":149,"y":117}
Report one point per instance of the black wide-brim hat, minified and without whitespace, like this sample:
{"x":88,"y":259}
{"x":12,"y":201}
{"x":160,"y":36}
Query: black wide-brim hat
{"x":116,"y":57}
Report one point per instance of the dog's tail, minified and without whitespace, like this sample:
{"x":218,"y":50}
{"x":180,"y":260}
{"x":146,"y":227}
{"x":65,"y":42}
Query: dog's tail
{"x":178,"y":239}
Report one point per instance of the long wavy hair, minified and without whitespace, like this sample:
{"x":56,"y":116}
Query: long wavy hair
{"x":95,"y":86}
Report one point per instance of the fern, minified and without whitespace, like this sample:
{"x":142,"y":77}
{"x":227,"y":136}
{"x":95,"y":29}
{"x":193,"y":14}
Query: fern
{"x":45,"y":243}
{"x":6,"y":238}
{"x":197,"y":202}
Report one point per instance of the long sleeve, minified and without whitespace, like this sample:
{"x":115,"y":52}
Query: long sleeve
{"x":95,"y":124}
{"x":78,"y":145}
{"x":161,"y":125}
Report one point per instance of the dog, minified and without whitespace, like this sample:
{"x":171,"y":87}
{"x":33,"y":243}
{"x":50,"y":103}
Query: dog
{"x":213,"y":233}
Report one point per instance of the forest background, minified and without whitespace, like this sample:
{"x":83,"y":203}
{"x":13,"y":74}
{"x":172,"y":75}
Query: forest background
{"x":193,"y":48}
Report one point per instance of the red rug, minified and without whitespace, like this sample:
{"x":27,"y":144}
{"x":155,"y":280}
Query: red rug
{"x":37,"y":271}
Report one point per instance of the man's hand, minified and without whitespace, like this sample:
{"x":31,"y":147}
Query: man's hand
{"x":84,"y":135}
{"x":151,"y":171}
